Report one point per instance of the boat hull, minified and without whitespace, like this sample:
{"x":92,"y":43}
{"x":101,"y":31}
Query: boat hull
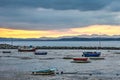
{"x":80,"y":59}
{"x":6,"y":51}
{"x":40,"y":53}
{"x":26,"y":50}
{"x":97,"y":58}
{"x":91,"y":54}
{"x":44,"y":72}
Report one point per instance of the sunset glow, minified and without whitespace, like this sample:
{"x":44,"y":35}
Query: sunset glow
{"x":89,"y":30}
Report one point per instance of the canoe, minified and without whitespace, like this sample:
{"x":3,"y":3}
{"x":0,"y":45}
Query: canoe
{"x":40,"y":53}
{"x":91,"y":54}
{"x":44,"y":72}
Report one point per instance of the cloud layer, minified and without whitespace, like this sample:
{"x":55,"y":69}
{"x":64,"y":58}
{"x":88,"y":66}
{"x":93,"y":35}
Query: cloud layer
{"x":58,"y":14}
{"x":83,"y":5}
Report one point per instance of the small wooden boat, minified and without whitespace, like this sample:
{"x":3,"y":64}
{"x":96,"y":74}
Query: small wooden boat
{"x":44,"y":72}
{"x":6,"y":51}
{"x":40,"y":53}
{"x":96,"y":58}
{"x":91,"y":54}
{"x":81,"y":60}
{"x":26,"y":49}
{"x":68,"y":57}
{"x":116,"y":52}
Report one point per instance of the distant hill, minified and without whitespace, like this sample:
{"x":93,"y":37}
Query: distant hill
{"x":62,"y":39}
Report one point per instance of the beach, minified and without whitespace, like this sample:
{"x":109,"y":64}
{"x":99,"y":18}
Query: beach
{"x":19,"y":65}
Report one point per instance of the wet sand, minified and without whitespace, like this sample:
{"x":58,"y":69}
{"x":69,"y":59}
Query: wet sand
{"x":18,"y":66}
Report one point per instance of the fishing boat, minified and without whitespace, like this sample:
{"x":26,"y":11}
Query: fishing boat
{"x":26,"y":49}
{"x":81,"y":60}
{"x":40,"y":53}
{"x":91,"y":54}
{"x":44,"y":72}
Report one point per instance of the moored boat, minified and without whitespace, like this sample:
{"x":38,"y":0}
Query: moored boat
{"x":116,"y":52}
{"x":26,"y":49}
{"x":44,"y":72}
{"x":81,"y":60}
{"x":68,"y":57}
{"x":91,"y":54}
{"x":96,"y":58}
{"x":40,"y":53}
{"x":6,"y":51}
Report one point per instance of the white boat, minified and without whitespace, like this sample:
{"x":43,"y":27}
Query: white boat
{"x":26,"y":49}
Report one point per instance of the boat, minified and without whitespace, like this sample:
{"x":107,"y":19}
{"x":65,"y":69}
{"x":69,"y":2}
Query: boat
{"x":26,"y":49}
{"x":116,"y":52}
{"x":91,"y":54}
{"x":81,"y":60}
{"x":96,"y":58}
{"x":44,"y":72}
{"x":40,"y":53}
{"x":6,"y":51}
{"x":68,"y":57}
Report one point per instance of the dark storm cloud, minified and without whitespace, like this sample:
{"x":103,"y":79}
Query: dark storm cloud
{"x":57,"y":14}
{"x":83,"y":5}
{"x":114,"y":6}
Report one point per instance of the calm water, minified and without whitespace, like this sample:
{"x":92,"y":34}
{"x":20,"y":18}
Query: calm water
{"x":65,"y":43}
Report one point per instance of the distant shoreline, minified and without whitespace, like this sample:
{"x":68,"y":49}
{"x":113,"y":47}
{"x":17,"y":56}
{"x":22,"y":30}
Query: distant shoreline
{"x":8,"y":46}
{"x":63,"y":39}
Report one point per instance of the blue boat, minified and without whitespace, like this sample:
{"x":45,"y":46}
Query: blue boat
{"x":91,"y":54}
{"x":41,"y":53}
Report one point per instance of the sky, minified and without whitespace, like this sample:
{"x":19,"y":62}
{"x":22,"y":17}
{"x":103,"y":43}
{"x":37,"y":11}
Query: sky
{"x":57,"y":18}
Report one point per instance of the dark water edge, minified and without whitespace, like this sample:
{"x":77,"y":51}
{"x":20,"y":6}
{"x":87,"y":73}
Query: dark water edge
{"x":8,"y":46}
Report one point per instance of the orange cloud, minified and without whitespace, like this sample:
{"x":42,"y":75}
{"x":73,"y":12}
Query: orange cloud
{"x":89,"y":30}
{"x":12,"y":33}
{"x":98,"y":29}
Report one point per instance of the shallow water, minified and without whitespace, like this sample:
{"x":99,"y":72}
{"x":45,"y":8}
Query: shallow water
{"x":20,"y":62}
{"x":65,"y":43}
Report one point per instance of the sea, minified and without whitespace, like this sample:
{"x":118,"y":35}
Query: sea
{"x":65,"y":43}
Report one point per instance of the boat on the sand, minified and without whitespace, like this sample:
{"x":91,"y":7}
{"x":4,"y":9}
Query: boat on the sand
{"x":68,"y":57}
{"x":26,"y":49}
{"x":40,"y":53}
{"x":91,"y":54}
{"x":96,"y":58}
{"x":81,"y":60}
{"x":6,"y":51}
{"x":44,"y":72}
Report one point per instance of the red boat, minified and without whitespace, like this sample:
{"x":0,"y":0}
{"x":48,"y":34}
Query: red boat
{"x":80,"y":59}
